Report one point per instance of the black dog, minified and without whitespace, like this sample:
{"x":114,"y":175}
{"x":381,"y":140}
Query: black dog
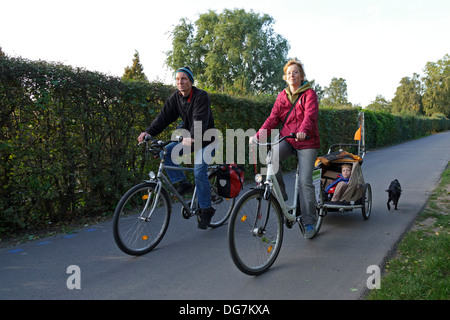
{"x":395,"y":190}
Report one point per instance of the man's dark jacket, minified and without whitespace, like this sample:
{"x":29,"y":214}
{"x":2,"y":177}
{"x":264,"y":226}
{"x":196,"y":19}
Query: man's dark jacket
{"x":195,"y":107}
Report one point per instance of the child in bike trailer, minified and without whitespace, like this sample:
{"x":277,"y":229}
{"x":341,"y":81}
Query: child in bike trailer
{"x":194,"y":107}
{"x":338,"y":186}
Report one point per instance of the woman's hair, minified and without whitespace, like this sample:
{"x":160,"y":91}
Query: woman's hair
{"x":298,"y":64}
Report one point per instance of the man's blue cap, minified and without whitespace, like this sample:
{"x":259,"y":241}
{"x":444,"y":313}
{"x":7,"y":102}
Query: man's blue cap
{"x":188,"y":71}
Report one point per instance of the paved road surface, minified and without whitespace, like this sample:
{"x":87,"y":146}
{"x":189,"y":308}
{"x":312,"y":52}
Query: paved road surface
{"x":196,"y":265}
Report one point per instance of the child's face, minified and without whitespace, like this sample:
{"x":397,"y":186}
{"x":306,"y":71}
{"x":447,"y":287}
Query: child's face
{"x":346,"y":172}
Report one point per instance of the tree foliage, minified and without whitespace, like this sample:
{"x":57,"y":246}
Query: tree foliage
{"x":427,"y":95}
{"x":235,"y":51}
{"x":436,"y":98}
{"x":136,"y":71}
{"x":336,"y":93}
{"x":380,"y":104}
{"x":408,"y":97}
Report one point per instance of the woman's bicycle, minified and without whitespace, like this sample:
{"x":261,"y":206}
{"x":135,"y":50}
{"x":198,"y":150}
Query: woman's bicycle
{"x":142,"y":215}
{"x":255,"y":230}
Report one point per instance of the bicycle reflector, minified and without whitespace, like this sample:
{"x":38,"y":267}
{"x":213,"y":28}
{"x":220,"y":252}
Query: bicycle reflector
{"x":144,"y":237}
{"x":145,"y":197}
{"x":244,"y":217}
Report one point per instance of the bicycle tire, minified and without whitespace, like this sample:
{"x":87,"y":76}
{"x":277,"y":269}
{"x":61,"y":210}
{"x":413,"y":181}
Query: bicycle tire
{"x":223,"y":206}
{"x":255,"y":236}
{"x":366,"y":202}
{"x":134,"y":232}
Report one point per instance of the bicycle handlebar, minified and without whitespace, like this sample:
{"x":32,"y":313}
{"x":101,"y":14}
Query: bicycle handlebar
{"x":291,"y":135}
{"x":159,"y":143}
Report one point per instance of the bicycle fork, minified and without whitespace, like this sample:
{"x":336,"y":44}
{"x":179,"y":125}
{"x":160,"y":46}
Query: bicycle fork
{"x":155,"y":195}
{"x":260,"y":231}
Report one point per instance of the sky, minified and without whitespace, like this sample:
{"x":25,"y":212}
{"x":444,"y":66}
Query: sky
{"x":372,"y":44}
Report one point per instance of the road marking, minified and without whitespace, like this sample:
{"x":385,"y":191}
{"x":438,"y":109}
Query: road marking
{"x":15,"y":250}
{"x":43,"y":243}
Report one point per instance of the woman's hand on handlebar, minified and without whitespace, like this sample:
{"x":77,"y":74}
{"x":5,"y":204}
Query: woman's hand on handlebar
{"x":253,"y":140}
{"x":300,"y":136}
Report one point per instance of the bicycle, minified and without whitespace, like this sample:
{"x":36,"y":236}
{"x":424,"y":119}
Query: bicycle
{"x":255,"y":230}
{"x":142,"y":216}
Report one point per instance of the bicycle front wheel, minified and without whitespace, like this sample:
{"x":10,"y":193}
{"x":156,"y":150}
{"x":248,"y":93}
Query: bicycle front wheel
{"x":141,"y":218}
{"x":223,"y":206}
{"x":255,"y":234}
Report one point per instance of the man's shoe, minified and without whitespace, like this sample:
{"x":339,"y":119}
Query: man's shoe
{"x":185,"y":187}
{"x":310,"y":231}
{"x":205,"y":216}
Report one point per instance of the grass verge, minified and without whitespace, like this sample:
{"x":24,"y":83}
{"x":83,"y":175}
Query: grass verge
{"x":420,"y":269}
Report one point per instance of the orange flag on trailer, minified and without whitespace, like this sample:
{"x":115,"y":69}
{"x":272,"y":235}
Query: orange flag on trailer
{"x":358,"y":134}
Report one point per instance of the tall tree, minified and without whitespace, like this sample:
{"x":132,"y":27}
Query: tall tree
{"x":235,"y":51}
{"x":336,"y":93}
{"x":380,"y":104}
{"x":136,"y":71}
{"x":408,"y":96}
{"x":436,"y":98}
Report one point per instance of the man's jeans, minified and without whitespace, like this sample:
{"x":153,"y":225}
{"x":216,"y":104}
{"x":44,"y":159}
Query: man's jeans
{"x":200,"y":173}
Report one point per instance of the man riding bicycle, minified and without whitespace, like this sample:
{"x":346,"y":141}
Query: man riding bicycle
{"x":194,"y":107}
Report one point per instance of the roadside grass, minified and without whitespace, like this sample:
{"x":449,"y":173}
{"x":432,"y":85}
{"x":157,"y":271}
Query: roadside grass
{"x":420,"y":270}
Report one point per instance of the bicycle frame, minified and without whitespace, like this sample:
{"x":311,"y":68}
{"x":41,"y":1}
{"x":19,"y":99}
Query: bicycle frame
{"x":271,"y":184}
{"x":162,"y":179}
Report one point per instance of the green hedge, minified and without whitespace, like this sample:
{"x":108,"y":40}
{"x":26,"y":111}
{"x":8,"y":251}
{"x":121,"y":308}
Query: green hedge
{"x":68,"y":144}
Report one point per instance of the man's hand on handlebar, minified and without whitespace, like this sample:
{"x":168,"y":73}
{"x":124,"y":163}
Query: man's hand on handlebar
{"x":142,"y":137}
{"x":187,"y":142}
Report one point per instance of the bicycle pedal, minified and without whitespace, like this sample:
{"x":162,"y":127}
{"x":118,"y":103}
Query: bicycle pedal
{"x":187,"y":213}
{"x":290,"y":224}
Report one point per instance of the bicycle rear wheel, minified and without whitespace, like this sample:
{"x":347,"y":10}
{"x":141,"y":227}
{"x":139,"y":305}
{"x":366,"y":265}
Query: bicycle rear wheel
{"x":255,"y":234}
{"x":223,"y":206}
{"x":141,"y":219}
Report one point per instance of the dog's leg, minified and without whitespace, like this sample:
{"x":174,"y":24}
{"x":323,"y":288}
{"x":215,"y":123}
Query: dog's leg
{"x":389,"y":200}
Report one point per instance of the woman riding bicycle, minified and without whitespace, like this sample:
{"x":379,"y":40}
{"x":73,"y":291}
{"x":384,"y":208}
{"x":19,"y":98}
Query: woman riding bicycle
{"x":297,"y":108}
{"x":194,"y":107}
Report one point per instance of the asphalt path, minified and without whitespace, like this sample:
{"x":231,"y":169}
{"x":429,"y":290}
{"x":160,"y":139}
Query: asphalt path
{"x":192,"y":264}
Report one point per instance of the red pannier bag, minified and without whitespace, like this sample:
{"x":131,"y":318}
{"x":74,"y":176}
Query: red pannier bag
{"x":230,"y":180}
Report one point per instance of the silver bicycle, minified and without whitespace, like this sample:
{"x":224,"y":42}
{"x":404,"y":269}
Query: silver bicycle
{"x":255,"y":230}
{"x":142,"y":216}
